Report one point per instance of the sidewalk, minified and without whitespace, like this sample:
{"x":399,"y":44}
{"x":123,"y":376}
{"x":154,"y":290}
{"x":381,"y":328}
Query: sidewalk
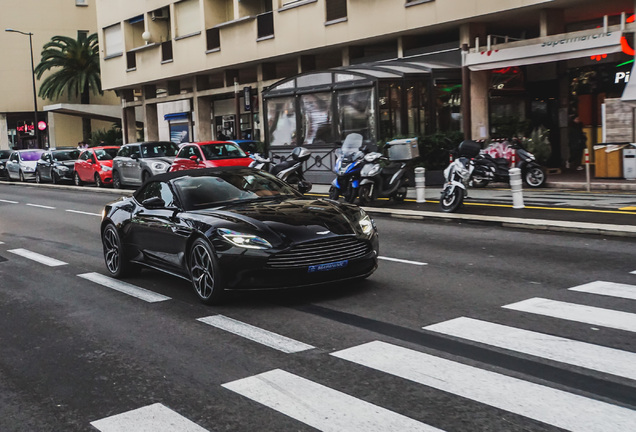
{"x":563,"y":205}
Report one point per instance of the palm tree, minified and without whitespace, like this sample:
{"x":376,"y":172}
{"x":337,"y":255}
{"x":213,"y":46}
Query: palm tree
{"x":76,"y":65}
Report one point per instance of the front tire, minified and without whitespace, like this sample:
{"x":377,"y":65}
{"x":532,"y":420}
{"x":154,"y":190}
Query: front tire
{"x":114,"y":256}
{"x":204,"y":272}
{"x":22,"y":179}
{"x":38,"y":177}
{"x":365,"y":196}
{"x":451,"y":201}
{"x":98,"y":181}
{"x":334,"y":193}
{"x":535,"y":177}
{"x":77,"y":180}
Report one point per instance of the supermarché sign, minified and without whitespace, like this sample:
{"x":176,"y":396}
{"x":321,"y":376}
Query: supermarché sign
{"x":548,"y":49}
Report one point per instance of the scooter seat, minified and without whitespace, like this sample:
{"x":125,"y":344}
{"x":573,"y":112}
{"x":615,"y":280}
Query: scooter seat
{"x":281,"y":166}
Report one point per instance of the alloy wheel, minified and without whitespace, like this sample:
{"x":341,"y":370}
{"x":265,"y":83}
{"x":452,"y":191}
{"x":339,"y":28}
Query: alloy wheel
{"x":203,"y":272}
{"x":112,"y":250}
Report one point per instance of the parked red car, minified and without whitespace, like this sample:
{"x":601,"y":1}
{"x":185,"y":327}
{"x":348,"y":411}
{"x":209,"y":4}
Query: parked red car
{"x":95,"y":165}
{"x":209,"y":154}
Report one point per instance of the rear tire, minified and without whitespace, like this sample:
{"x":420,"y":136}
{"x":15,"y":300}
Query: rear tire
{"x":116,"y":180}
{"x":400,"y":195}
{"x":204,"y":272}
{"x":450,"y":202}
{"x":534,"y":177}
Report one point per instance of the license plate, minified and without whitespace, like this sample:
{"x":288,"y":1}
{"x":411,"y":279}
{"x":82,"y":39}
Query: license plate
{"x":328,"y":266}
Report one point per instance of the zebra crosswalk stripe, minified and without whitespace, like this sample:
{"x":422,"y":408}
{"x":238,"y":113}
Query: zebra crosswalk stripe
{"x":152,"y":418}
{"x":552,"y":406}
{"x":610,"y":289}
{"x":590,"y":356}
{"x":321,"y":407}
{"x":579,"y":313}
{"x":42,"y":259}
{"x":123,"y":287}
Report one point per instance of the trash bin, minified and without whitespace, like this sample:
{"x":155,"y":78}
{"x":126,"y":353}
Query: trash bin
{"x":629,"y":163}
{"x":614,"y":161}
{"x":600,"y":161}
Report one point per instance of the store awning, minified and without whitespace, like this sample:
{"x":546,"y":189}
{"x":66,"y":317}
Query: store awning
{"x":93,"y":111}
{"x":587,"y":43}
{"x":176,"y":116}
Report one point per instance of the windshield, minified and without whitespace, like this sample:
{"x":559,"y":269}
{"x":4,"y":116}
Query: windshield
{"x":209,"y":191}
{"x":160,"y":149}
{"x":31,"y":156}
{"x":222,"y":151}
{"x":66,"y":155}
{"x":351,"y":144}
{"x":106,"y":154}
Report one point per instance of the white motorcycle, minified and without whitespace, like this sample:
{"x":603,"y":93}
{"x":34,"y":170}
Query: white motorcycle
{"x":458,"y":175}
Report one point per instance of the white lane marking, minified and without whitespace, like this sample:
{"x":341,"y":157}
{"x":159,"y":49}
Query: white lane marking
{"x":579,"y":313}
{"x":256,"y":334}
{"x":632,"y":272}
{"x":40,"y":206}
{"x":123,"y":287}
{"x":610,"y":289}
{"x":10,"y":202}
{"x":403,"y":261}
{"x":586,"y":355}
{"x":1,"y":242}
{"x":321,"y":407}
{"x":83,"y":212}
{"x":42,"y":259}
{"x":545,"y":404}
{"x":152,"y":418}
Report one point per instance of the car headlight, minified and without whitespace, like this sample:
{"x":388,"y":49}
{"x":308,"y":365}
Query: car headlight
{"x":29,"y":169}
{"x":366,"y":224}
{"x":159,"y":166}
{"x":248,"y":241}
{"x":106,"y":168}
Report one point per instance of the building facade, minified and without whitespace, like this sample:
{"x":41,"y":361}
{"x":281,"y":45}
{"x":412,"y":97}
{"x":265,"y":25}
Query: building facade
{"x":198,"y":69}
{"x":59,"y":123}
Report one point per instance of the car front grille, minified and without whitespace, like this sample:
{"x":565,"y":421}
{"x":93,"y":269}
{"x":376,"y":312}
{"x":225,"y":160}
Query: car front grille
{"x":320,"y":252}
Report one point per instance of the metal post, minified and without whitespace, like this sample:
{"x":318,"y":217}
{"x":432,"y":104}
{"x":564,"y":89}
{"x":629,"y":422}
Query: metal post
{"x":516,"y":188}
{"x":35,"y":100}
{"x":587,"y":168}
{"x":420,"y":185}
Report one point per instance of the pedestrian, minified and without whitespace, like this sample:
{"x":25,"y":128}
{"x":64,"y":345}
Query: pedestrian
{"x":576,"y":141}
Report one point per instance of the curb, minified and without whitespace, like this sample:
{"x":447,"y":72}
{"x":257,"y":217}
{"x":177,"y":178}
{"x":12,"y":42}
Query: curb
{"x":531,"y":224}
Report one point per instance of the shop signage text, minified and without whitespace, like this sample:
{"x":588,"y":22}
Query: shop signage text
{"x":575,"y":39}
{"x":621,"y":77}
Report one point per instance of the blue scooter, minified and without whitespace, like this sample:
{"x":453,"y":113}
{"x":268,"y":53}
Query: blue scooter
{"x":347,"y":168}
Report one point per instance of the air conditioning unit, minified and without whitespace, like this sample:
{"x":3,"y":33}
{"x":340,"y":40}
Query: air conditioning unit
{"x":81,"y":2}
{"x":159,"y":14}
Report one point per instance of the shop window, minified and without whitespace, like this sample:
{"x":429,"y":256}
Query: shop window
{"x":449,"y":98}
{"x":166,"y":51}
{"x":315,"y":110}
{"x":265,"y":25}
{"x":336,"y":10}
{"x":281,"y":118}
{"x":131,"y":60}
{"x":113,"y":40}
{"x":356,"y":113}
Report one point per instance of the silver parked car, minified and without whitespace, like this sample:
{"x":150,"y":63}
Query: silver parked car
{"x":136,"y":162}
{"x":21,"y":164}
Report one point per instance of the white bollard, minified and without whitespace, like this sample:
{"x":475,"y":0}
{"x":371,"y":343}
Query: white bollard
{"x":420,"y":185}
{"x":515,"y":187}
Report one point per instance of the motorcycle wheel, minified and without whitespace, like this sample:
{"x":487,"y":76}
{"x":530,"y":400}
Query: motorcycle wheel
{"x":535,"y":177}
{"x":365,"y":197}
{"x":334,"y":193}
{"x":480,"y":183}
{"x":400,"y":195}
{"x":350,"y":195}
{"x":450,"y":202}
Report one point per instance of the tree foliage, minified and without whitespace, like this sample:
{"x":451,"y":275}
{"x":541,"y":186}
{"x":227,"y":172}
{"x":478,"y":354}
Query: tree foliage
{"x":75,"y":63}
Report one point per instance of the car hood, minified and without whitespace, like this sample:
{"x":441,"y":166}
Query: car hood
{"x":289,"y":220}
{"x":30,"y":164}
{"x":69,"y":164}
{"x":165,"y":159}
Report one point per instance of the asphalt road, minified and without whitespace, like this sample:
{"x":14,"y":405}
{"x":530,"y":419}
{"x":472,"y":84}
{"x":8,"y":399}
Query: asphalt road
{"x":79,"y":356}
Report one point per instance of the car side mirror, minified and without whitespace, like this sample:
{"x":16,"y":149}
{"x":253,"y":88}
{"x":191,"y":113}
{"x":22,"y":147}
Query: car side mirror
{"x":154,"y":203}
{"x":134,"y":156}
{"x":194,"y":158}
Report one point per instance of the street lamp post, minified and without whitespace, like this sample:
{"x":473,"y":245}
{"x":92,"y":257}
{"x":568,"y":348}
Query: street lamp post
{"x":35,"y":101}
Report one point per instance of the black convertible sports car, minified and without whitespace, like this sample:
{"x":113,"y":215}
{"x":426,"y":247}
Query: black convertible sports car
{"x":236,"y":228}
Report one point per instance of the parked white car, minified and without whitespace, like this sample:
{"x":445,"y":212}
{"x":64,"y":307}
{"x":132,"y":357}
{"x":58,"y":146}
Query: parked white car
{"x":137,"y":162}
{"x":21,"y":164}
